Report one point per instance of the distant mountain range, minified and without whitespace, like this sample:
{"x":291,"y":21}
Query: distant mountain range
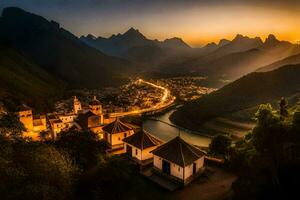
{"x":236,"y":58}
{"x":244,"y":93}
{"x":134,"y":46}
{"x":226,"y":60}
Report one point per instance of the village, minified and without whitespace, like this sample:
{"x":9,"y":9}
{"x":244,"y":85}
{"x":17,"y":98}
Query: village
{"x":176,"y":159}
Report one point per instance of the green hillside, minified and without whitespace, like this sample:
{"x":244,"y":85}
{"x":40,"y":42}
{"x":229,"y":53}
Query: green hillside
{"x":245,"y":93}
{"x":24,"y":82}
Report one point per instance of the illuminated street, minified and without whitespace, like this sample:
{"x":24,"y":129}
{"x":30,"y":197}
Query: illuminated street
{"x":166,"y":100}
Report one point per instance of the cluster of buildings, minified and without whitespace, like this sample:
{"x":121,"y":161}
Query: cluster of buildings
{"x":89,"y":117}
{"x":186,"y":88}
{"x":176,"y":159}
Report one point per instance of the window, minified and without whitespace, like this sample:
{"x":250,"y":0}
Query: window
{"x":125,"y":134}
{"x":136,"y":152}
{"x":179,"y":169}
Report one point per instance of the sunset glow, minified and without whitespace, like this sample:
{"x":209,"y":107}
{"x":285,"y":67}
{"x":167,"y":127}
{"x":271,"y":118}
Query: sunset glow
{"x":196,"y":22}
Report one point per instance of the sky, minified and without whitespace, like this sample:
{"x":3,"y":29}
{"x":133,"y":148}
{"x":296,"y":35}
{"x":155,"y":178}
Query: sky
{"x":197,"y":22}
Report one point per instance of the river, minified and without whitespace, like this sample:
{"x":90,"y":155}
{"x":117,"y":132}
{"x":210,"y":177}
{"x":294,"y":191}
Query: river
{"x":166,"y":132}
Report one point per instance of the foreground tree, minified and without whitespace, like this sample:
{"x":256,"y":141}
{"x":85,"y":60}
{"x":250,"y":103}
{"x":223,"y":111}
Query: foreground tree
{"x":83,"y":146}
{"x":283,"y":108}
{"x":10,"y":126}
{"x":220,"y":144}
{"x":267,"y":156}
{"x":34,"y":171}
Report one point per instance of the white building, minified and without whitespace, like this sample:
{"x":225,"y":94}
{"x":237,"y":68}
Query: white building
{"x":179,"y":159}
{"x":115,"y":132}
{"x":140,"y":145}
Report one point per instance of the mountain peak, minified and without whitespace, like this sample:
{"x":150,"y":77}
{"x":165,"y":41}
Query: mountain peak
{"x":12,"y":11}
{"x":239,"y":38}
{"x":223,"y":42}
{"x":271,"y":39}
{"x":91,"y":36}
{"x":211,"y":44}
{"x":175,"y":42}
{"x":132,"y":31}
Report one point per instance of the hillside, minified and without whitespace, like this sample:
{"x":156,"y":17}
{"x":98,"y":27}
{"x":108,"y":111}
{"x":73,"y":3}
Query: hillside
{"x":244,"y":93}
{"x":291,"y":60}
{"x":59,"y":52}
{"x":235,"y":58}
{"x":23,"y":81}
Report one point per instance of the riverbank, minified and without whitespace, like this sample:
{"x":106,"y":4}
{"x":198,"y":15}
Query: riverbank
{"x":219,"y":125}
{"x":164,"y":129}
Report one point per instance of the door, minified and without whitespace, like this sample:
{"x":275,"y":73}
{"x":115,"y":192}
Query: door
{"x":194,"y":168}
{"x":166,"y":167}
{"x":129,"y":150}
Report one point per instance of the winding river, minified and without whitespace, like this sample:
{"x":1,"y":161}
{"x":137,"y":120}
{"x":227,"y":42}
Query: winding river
{"x":166,"y":132}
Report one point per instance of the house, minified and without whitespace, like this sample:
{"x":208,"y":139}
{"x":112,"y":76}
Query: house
{"x":96,"y":108}
{"x":115,"y":132}
{"x":178,"y":160}
{"x":33,"y":124}
{"x":140,"y":145}
{"x":57,"y":126}
{"x":90,"y":121}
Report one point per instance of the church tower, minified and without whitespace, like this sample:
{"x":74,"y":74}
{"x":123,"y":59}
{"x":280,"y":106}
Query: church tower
{"x":25,"y":116}
{"x":96,"y":108}
{"x":76,"y":105}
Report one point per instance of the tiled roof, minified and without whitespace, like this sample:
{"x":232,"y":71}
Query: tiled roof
{"x":83,"y":118}
{"x":24,"y":107}
{"x":142,"y":140}
{"x":179,"y":152}
{"x":116,"y":126}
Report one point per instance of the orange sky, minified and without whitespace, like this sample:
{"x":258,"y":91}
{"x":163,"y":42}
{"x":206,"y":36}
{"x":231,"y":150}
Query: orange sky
{"x":195,"y":21}
{"x":200,"y":26}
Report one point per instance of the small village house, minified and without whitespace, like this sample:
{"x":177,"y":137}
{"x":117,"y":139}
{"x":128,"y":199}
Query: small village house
{"x":96,"y":108}
{"x":115,"y":132}
{"x":178,"y":160}
{"x":90,"y":121}
{"x":33,"y":124}
{"x":139,"y":146}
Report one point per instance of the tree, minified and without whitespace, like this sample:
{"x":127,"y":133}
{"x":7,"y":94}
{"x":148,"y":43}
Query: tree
{"x":10,"y":126}
{"x":83,"y":146}
{"x":44,"y":135}
{"x":220,"y":144}
{"x":35,"y":171}
{"x":268,"y":155}
{"x":283,"y":104}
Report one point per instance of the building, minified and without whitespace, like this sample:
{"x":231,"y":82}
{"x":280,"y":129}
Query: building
{"x":57,"y":126}
{"x":39,"y":123}
{"x":115,"y":132}
{"x":178,"y":160}
{"x":90,"y":121}
{"x":76,"y":105}
{"x":25,"y":116}
{"x":33,"y":124}
{"x":96,"y":108}
{"x":67,"y":118}
{"x":140,"y":145}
